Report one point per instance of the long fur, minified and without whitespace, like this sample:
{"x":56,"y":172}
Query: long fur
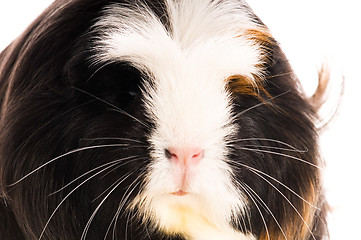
{"x":94,"y":94}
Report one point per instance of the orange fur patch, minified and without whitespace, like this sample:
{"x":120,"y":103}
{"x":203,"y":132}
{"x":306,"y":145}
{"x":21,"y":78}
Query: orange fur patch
{"x":299,"y":225}
{"x":246,"y":86}
{"x":253,"y":86}
{"x":263,"y":39}
{"x":261,"y":36}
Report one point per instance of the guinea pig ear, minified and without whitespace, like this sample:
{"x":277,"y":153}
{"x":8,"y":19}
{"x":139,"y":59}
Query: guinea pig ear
{"x":61,"y":79}
{"x":76,"y":71}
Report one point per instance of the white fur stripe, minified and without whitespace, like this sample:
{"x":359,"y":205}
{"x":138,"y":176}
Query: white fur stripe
{"x":188,"y":101}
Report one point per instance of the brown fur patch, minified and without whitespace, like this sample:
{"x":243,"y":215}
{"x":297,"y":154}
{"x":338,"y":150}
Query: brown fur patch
{"x":298,"y":225}
{"x":260,"y":35}
{"x":263,"y":39}
{"x":318,"y":98}
{"x":254,"y":85}
{"x":248,"y":86}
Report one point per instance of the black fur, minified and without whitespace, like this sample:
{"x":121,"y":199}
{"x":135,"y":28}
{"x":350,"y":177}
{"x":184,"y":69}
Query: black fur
{"x":52,"y":103}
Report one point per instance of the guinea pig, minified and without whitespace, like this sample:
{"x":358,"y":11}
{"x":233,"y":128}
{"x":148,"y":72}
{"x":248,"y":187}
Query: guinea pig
{"x":156,"y":119}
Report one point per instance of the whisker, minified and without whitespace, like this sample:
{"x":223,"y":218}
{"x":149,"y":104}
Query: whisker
{"x":146,"y":230}
{"x":136,"y":159}
{"x":126,"y":227}
{"x":289,"y":202}
{"x":64,"y":155}
{"x":275,"y":148}
{"x":112,"y":164}
{"x":122,"y":204}
{"x":87,"y":226}
{"x":260,"y":104}
{"x":241,"y":220}
{"x":255,"y":171}
{"x":115,"y":215}
{"x":113,"y":138}
{"x":65,"y":198}
{"x":280,"y":154}
{"x":98,"y":69}
{"x":267,"y":208}
{"x":256,"y":205}
{"x":117,"y":109}
{"x":278,"y":75}
{"x":268,"y":140}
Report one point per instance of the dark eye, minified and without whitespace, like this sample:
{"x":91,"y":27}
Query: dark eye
{"x":115,"y":83}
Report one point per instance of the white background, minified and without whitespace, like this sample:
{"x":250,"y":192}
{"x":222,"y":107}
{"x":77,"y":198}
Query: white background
{"x":310,"y":32}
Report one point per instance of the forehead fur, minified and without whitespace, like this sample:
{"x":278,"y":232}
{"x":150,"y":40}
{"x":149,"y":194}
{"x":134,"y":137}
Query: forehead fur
{"x":216,"y":36}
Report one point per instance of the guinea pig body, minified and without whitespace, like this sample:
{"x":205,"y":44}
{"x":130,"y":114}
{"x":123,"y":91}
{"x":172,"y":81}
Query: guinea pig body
{"x":155,"y":120}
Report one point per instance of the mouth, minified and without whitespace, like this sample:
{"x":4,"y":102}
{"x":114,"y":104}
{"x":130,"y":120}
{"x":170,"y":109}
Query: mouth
{"x":179,"y":193}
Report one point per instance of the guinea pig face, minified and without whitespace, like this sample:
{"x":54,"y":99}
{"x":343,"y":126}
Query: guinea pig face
{"x":156,"y":120}
{"x":188,"y":184}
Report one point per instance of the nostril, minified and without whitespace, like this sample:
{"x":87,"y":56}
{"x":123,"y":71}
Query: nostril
{"x":169,"y":154}
{"x":187,"y":156}
{"x":197,"y":155}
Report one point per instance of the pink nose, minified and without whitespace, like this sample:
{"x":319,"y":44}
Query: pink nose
{"x":186,"y":157}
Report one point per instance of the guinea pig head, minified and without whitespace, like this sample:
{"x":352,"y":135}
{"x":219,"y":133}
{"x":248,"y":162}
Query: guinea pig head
{"x":187,"y":97}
